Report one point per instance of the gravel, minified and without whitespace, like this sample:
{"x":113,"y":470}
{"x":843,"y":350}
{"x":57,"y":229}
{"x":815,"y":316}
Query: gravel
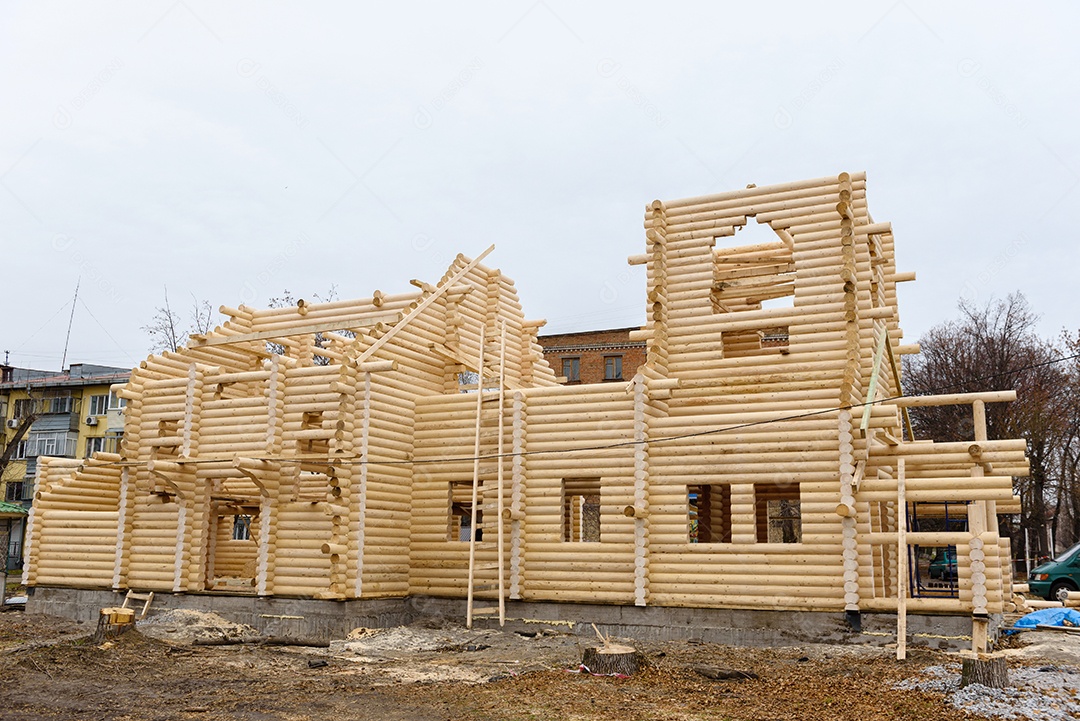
{"x":1040,"y":693}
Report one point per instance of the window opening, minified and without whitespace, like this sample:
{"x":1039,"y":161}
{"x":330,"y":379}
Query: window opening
{"x":241,"y":528}
{"x":581,"y":510}
{"x":933,"y":569}
{"x":23,"y":407}
{"x":99,"y":405}
{"x":753,"y":269}
{"x":613,"y":368}
{"x":460,"y":516}
{"x":571,"y":369}
{"x":468,"y":381}
{"x":95,"y":445}
{"x":778,"y":513}
{"x":14,"y":491}
{"x":709,"y":513}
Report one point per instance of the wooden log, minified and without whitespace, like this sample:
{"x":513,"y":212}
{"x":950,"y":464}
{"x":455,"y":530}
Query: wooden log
{"x":950,"y":399}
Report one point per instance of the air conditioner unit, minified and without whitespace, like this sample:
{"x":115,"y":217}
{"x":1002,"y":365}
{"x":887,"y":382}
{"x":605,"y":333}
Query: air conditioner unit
{"x":91,"y":420}
{"x":13,"y":423}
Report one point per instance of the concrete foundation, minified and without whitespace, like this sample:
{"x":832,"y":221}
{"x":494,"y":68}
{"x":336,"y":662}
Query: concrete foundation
{"x":330,"y":620}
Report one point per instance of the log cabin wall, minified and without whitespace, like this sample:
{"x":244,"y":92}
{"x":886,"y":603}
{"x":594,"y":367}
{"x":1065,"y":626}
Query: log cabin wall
{"x":327,"y":450}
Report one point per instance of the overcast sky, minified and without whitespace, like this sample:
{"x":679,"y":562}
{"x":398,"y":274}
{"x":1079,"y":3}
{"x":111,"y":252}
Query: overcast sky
{"x":232,"y":151}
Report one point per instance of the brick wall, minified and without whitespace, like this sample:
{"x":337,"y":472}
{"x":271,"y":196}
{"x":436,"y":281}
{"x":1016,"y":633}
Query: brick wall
{"x":592,"y":349}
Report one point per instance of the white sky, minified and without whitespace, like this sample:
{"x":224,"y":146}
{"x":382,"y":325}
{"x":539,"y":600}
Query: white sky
{"x":235,"y":151}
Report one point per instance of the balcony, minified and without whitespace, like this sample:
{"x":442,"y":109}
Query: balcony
{"x":47,"y":406}
{"x":35,"y":446}
{"x":61,"y":412}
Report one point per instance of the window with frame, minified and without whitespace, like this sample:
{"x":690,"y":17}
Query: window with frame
{"x":613,"y":368}
{"x":23,"y":407}
{"x":14,"y":491}
{"x":709,"y":513}
{"x":778,"y":513}
{"x":116,"y":402}
{"x":581,"y":510}
{"x":99,"y":405}
{"x":60,"y":404}
{"x":96,"y":445}
{"x":571,"y":369}
{"x":48,"y":444}
{"x":459,"y":526}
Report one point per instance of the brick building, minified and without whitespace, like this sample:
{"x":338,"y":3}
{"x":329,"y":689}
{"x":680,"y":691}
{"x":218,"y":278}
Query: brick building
{"x":594,"y":356}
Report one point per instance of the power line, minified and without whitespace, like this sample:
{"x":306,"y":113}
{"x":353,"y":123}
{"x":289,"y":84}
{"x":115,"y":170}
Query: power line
{"x":106,"y":332}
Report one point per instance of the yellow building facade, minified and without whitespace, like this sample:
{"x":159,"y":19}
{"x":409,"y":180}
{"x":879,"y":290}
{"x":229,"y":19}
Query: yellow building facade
{"x":69,"y":414}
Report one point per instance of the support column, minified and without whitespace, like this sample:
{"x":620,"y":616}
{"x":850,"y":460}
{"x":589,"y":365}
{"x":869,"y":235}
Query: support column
{"x":846,"y":509}
{"x":517,"y":497}
{"x":641,"y":494}
{"x":977,"y":527}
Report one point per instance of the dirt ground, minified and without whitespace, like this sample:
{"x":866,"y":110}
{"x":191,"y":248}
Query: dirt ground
{"x":52,"y":669}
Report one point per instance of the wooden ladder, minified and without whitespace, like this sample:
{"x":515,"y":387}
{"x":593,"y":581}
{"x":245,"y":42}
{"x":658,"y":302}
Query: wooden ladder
{"x":146,"y":598}
{"x":486,"y":397}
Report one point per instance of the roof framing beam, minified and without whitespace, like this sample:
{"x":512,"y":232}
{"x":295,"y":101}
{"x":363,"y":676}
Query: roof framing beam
{"x":203,"y":341}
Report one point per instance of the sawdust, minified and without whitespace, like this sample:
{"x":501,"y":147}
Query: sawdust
{"x":184,"y":627}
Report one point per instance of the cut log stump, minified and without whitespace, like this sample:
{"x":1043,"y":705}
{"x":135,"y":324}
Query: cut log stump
{"x":990,"y":672}
{"x":612,"y":659}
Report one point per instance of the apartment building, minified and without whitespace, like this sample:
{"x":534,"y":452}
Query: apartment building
{"x":69,"y":414}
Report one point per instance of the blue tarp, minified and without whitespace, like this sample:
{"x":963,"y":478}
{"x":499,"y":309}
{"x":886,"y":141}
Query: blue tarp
{"x":1048,"y":617}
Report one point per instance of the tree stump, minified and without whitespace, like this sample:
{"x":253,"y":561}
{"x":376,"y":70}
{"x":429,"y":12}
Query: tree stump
{"x":611,"y":659}
{"x":990,"y":672}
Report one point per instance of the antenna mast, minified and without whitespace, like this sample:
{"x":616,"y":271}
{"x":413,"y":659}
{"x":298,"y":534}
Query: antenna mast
{"x":71,"y":318}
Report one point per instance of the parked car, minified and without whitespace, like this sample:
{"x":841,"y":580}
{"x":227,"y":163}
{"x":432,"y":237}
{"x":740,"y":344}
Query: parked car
{"x":1053,"y":579}
{"x":943,"y":564}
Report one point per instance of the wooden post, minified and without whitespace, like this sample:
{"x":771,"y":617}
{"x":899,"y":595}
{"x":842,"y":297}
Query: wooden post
{"x":500,"y":541}
{"x":871,"y":389}
{"x":517,"y":496}
{"x":901,"y":562}
{"x":898,"y":385}
{"x":475,"y":484}
{"x":980,"y":621}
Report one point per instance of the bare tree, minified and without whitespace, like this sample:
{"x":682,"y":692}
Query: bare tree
{"x":285,"y":300}
{"x":168,"y":332}
{"x":1067,"y":502}
{"x":166,"y":329}
{"x":8,"y":446}
{"x":996,"y":347}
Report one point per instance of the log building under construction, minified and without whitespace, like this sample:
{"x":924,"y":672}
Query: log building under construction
{"x":419,"y":444}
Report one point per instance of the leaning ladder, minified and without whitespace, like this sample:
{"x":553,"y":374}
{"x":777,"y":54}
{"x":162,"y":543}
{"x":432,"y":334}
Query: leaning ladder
{"x":471,"y":610}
